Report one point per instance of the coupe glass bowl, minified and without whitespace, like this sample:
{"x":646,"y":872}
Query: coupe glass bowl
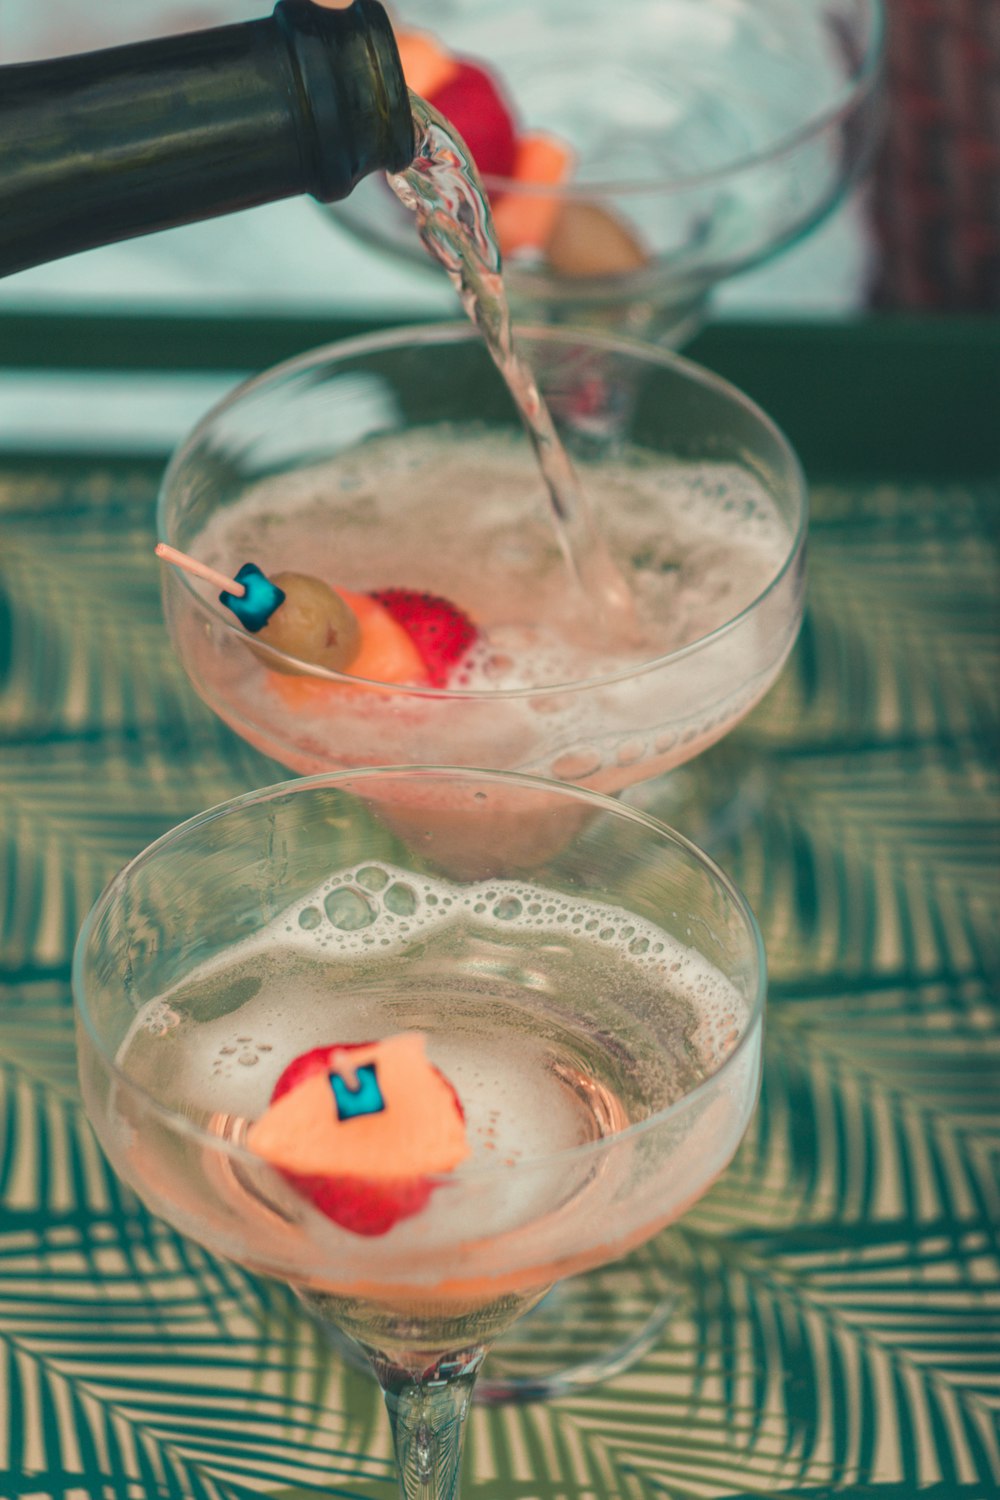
{"x":599,"y":1016}
{"x":714,"y":132}
{"x":306,"y":426}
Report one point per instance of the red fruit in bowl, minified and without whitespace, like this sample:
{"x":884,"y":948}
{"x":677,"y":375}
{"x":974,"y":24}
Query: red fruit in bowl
{"x":441,"y":632}
{"x":364,"y":1207}
{"x":473,"y":102}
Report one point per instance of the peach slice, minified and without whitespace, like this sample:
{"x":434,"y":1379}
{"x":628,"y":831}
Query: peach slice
{"x":524,"y":221}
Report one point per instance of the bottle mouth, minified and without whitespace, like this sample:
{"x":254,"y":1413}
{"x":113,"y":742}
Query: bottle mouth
{"x":349,"y":79}
{"x":390,"y":101}
{"x":387,"y":65}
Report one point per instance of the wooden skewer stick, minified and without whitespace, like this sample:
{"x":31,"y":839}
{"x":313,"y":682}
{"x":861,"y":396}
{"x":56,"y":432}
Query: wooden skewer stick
{"x":199,"y":569}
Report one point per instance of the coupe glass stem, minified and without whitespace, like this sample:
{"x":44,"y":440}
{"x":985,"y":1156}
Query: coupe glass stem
{"x":426,"y":1362}
{"x":427,"y":1416}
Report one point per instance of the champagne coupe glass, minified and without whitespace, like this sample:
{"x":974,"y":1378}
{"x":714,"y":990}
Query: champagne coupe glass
{"x":296,"y":442}
{"x":598,"y":1011}
{"x":706,"y":135}
{"x":279,"y":473}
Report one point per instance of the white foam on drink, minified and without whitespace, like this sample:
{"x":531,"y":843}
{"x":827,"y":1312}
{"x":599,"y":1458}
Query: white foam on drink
{"x":375,"y":911}
{"x":459,"y":512}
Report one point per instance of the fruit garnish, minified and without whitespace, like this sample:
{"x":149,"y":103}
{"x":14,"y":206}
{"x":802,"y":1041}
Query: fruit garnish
{"x":525,"y":220}
{"x":473,"y":102}
{"x":313,"y":623}
{"x":386,"y":652}
{"x":579,"y":239}
{"x":363,"y":1130}
{"x":468,"y":94}
{"x":441,"y":632}
{"x":393,"y":636}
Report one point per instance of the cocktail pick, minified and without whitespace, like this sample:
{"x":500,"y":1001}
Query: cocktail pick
{"x":251,"y":595}
{"x":364,"y":1130}
{"x":301,"y":617}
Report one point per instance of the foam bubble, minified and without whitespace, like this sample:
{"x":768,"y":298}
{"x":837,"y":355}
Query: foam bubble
{"x":379,"y":905}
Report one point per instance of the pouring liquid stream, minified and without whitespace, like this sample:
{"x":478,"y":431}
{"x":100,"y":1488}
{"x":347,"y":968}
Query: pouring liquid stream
{"x":442,"y":188}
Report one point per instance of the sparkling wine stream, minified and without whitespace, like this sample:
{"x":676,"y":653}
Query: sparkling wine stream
{"x":443,"y":190}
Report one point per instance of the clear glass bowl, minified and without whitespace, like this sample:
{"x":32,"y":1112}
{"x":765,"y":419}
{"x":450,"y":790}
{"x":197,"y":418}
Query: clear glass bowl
{"x":714,"y":132}
{"x":617,"y":1080}
{"x":313,"y":417}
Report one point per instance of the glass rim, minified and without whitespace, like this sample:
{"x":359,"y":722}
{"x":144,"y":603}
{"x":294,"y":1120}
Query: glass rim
{"x":852,"y":91}
{"x":427,"y":334}
{"x":189,"y":1129}
{"x":855,"y":88}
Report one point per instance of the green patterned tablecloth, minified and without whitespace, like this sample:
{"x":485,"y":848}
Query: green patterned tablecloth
{"x":841,"y":1328}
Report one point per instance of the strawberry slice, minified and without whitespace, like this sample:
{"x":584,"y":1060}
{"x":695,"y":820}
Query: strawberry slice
{"x":441,"y":632}
{"x":472,"y":101}
{"x":364,"y":1207}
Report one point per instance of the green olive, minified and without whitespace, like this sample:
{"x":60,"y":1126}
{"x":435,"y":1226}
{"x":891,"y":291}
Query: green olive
{"x":313,"y":624}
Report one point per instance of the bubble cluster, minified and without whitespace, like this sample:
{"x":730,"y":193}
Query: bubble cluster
{"x":158,"y":1018}
{"x":377,"y":908}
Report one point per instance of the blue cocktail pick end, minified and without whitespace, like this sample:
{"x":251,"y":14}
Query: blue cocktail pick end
{"x":364,"y":1098}
{"x":254,"y":608}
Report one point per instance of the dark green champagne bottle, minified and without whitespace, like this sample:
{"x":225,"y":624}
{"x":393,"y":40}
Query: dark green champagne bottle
{"x":107,"y":145}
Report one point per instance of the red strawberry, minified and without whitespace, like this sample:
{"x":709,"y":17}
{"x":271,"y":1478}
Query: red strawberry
{"x":472,"y":101}
{"x":363,"y":1206}
{"x":441,"y":632}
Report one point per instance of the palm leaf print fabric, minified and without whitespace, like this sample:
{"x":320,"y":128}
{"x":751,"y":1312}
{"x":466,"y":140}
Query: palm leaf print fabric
{"x":837,"y":1324}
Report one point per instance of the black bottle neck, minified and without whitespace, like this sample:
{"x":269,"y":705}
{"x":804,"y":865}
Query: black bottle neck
{"x":111,"y":144}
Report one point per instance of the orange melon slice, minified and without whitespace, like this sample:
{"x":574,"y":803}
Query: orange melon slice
{"x":524,"y":221}
{"x":363,"y":1149}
